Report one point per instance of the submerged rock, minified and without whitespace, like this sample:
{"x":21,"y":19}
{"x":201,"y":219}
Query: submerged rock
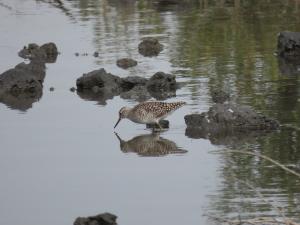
{"x":125,"y":63}
{"x":101,"y":85}
{"x":230,"y":116}
{"x":288,"y":44}
{"x":150,"y":47}
{"x":101,"y":219}
{"x":96,"y":54}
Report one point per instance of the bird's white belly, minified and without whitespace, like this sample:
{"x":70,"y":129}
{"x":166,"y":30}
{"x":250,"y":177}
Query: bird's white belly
{"x":147,"y":120}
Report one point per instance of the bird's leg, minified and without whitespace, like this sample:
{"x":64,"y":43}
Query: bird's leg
{"x":160,"y":127}
{"x":155,"y":129}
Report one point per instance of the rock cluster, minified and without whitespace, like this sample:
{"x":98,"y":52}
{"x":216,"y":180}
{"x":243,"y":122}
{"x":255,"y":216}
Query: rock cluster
{"x":99,"y":85}
{"x":232,"y":116}
{"x":23,"y":84}
{"x":228,"y":124}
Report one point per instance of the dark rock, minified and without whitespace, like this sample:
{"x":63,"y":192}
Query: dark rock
{"x":162,"y":81}
{"x":126,"y":63}
{"x":101,"y":85}
{"x":162,"y":86}
{"x":101,"y":219}
{"x":163,"y":123}
{"x":96,"y":54}
{"x":150,"y":47}
{"x":132,"y":81}
{"x":72,"y":89}
{"x":150,"y":145}
{"x":219,"y":96}
{"x":51,"y":89}
{"x":138,"y":93}
{"x":99,"y":78}
{"x":22,"y":85}
{"x":288,"y":44}
{"x":230,"y":116}
{"x":98,"y":85}
{"x":51,"y":52}
{"x":96,"y":89}
{"x":76,"y":54}
{"x":47,"y":53}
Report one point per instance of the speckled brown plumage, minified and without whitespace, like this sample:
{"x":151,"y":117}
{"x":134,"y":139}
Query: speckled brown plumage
{"x":157,"y":109}
{"x":149,"y":112}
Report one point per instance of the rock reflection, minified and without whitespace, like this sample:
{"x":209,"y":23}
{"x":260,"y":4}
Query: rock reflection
{"x":226,"y":137}
{"x":150,"y":145}
{"x":289,"y":67}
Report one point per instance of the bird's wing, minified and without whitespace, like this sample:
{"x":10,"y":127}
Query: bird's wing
{"x":158,"y":109}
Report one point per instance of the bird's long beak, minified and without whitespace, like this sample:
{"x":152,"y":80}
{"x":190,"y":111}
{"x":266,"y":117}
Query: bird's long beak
{"x":118,"y":122}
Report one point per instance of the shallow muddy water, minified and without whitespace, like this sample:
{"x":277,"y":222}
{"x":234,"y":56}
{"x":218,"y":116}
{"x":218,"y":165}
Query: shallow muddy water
{"x":60,"y":157}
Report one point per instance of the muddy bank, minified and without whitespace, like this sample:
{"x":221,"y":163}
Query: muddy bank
{"x":100,"y":86}
{"x":101,"y":219}
{"x":150,"y":145}
{"x":22,"y":85}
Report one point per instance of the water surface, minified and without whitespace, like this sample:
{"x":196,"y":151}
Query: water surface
{"x":60,"y":158}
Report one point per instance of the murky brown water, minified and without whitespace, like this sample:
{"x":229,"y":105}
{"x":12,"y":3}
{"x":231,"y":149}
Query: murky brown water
{"x":60,"y":158}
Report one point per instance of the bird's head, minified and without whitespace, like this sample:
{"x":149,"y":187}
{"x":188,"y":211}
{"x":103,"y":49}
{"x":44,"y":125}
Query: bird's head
{"x":123,"y":113}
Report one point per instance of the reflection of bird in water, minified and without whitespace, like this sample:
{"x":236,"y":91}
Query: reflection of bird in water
{"x":150,"y":145}
{"x":149,"y":112}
